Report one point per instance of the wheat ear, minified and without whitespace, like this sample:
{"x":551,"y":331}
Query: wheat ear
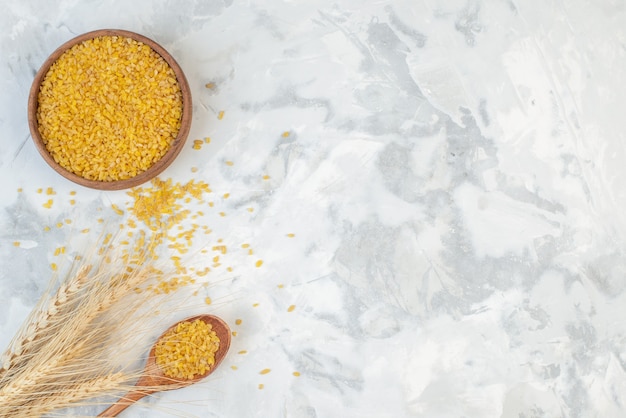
{"x":68,"y":339}
{"x":47,"y":401}
{"x":78,"y":338}
{"x":43,"y":319}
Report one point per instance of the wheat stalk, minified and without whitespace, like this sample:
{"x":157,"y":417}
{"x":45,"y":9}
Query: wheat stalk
{"x":73,"y":337}
{"x":68,"y":337}
{"x":43,"y":320}
{"x":68,"y":352}
{"x":49,"y":399}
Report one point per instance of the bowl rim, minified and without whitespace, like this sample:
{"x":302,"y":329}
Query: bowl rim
{"x":154,"y":170}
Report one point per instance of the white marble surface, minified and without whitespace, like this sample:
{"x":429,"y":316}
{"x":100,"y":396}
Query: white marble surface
{"x":452,"y":178}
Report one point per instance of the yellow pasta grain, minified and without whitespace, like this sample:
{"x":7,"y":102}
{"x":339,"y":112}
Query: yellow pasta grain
{"x":207,"y":300}
{"x":234,"y":367}
{"x":259,"y":263}
{"x":238,"y":321}
{"x":243,"y":352}
{"x":207,"y":140}
{"x":261,"y":386}
{"x":109,"y":108}
{"x":221,"y":248}
{"x":229,"y":163}
{"x":197,"y":144}
{"x":53,"y":266}
{"x":117,"y":210}
{"x":204,"y":272}
{"x":210,"y":85}
{"x":266,"y":177}
{"x":20,"y":190}
{"x":297,"y":374}
{"x":291,"y":308}
{"x":48,"y":204}
{"x":16,"y":243}
{"x":285,"y":134}
{"x":187,"y":350}
{"x":50,"y":191}
{"x":291,"y":235}
{"x":220,"y":115}
{"x":265,"y":371}
{"x":40,"y":190}
{"x":46,"y":228}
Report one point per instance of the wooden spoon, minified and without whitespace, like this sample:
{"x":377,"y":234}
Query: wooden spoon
{"x":153,"y":380}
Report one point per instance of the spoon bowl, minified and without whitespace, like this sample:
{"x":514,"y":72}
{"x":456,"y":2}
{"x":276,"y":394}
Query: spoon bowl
{"x":154,"y":380}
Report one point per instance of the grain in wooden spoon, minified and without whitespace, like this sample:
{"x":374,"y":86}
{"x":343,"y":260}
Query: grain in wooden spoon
{"x":154,"y":378}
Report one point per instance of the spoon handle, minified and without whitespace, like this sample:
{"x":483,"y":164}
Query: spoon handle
{"x":124,"y":402}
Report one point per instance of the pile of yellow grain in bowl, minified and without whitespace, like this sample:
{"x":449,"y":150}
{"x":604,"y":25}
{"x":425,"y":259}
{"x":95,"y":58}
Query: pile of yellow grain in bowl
{"x":109,"y":108}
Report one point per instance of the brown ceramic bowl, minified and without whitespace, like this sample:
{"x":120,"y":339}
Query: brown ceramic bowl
{"x":158,"y":166}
